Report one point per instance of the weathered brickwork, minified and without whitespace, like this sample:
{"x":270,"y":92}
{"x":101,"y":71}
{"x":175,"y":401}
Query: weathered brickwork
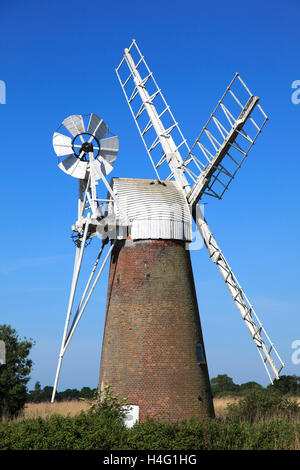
{"x":151,"y":330}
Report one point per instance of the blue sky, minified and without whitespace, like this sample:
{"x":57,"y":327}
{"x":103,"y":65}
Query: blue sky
{"x":57,"y":59}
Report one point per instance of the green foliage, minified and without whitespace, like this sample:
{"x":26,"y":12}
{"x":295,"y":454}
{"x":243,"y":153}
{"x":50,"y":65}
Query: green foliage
{"x":262,"y":419}
{"x":262,"y":404}
{"x":287,"y":384}
{"x":85,"y":431}
{"x":101,"y":430}
{"x":223,"y":386}
{"x":87,"y":392}
{"x":248,"y":386}
{"x":14,"y":375}
{"x":102,"y":427}
{"x":107,"y":404}
{"x":39,"y":395}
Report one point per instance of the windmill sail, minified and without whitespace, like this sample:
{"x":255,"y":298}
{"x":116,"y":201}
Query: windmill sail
{"x":152,"y":115}
{"x":266,"y":349}
{"x":225,"y":140}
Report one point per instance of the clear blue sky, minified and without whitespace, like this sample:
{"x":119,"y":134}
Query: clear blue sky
{"x":58,"y":58}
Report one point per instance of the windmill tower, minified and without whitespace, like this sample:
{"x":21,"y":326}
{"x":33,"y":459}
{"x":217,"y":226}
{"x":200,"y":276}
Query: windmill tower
{"x":153,"y":350}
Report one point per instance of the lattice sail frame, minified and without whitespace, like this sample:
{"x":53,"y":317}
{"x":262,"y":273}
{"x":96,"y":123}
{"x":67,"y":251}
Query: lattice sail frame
{"x":225,"y":140}
{"x":145,"y":126}
{"x":266,"y":349}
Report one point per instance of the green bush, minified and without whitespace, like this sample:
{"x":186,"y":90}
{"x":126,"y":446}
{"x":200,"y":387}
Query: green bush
{"x":85,"y":431}
{"x":14,"y":375}
{"x":102,"y":428}
{"x":262,"y":404}
{"x":99,"y":431}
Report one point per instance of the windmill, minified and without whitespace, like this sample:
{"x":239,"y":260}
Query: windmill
{"x":153,"y":350}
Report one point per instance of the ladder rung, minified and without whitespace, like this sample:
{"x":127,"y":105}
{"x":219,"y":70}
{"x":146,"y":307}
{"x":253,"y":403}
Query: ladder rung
{"x":152,"y":97}
{"x":133,"y":95}
{"x":126,"y":81}
{"x":258,"y":330}
{"x":140,"y":111}
{"x":249,"y":311}
{"x":220,"y":127}
{"x":169,"y":130}
{"x":148,"y":127}
{"x":154,"y":144}
{"x":139,"y":62}
{"x":238,"y":148}
{"x":163,"y":112}
{"x":223,"y":170}
{"x":212,"y":140}
{"x":243,"y":134}
{"x":145,"y":80}
{"x":204,"y":151}
{"x":161,"y":161}
{"x":234,"y":161}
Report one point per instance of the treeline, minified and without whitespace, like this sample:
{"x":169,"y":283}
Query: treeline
{"x":221,"y":386}
{"x":39,"y":394}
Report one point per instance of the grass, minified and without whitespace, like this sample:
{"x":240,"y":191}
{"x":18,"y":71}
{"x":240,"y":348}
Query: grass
{"x":45,"y":410}
{"x":74,"y":407}
{"x":220,"y":405}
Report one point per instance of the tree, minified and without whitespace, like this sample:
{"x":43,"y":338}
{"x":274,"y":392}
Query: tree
{"x":223,"y":385}
{"x":87,"y":392}
{"x":68,"y":394}
{"x":35,"y":395}
{"x":14,"y":375}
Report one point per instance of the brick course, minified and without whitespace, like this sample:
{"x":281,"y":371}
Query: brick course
{"x":152,"y":326}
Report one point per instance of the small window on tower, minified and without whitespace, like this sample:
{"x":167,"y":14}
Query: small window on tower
{"x":200,"y":354}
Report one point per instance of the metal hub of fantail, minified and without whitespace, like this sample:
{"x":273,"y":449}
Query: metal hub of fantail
{"x":86,"y":147}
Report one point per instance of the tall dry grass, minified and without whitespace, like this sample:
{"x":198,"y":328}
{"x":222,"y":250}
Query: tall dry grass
{"x":74,"y":407}
{"x":46,"y":409}
{"x":220,"y":405}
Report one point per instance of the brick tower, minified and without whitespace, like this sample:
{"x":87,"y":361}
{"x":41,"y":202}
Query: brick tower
{"x":153,"y":352}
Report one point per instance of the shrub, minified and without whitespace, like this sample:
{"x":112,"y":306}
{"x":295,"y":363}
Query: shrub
{"x":102,"y":428}
{"x":100,"y":431}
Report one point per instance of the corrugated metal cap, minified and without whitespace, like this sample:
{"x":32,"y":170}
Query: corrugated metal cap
{"x":155,"y":209}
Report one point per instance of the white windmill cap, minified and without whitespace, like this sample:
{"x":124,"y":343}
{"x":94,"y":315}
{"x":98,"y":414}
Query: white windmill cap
{"x":156,"y":210}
